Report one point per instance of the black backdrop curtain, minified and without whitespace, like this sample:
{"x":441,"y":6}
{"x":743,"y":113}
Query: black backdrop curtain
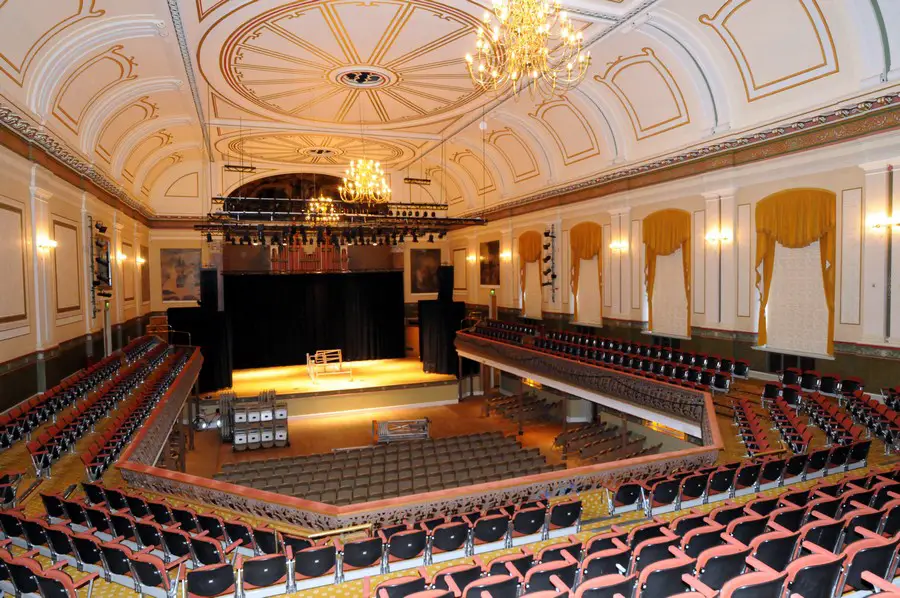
{"x":278,"y":319}
{"x":211,"y":331}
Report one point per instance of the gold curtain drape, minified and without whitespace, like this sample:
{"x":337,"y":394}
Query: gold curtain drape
{"x":585,"y":240}
{"x":664,"y":233}
{"x":796,"y":218}
{"x":529,"y":251}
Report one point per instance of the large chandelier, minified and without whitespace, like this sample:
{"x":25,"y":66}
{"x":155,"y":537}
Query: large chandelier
{"x":320,"y":210}
{"x":364,"y":183}
{"x":531,"y":41}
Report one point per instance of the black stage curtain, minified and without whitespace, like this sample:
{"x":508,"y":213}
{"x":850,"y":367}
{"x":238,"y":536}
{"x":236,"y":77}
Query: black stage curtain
{"x":278,"y":319}
{"x":438,"y":323}
{"x":211,"y":331}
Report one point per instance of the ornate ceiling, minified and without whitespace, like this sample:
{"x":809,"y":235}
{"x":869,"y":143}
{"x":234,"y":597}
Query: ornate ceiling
{"x":154,"y":97}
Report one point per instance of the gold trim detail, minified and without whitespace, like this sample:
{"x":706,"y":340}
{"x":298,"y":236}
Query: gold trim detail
{"x":756,"y":89}
{"x":644,"y":130}
{"x":565,"y":109}
{"x":520,"y":171}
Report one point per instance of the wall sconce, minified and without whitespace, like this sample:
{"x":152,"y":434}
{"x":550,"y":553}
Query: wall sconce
{"x":506,"y":256}
{"x":470,"y":258}
{"x":140,"y":261}
{"x":717,"y":236}
{"x":45,"y":244}
{"x":883,"y":221}
{"x":619,"y":246}
{"x":121,"y":256}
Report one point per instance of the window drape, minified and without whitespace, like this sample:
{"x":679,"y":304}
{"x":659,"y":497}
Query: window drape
{"x":529,"y":251}
{"x":664,"y":233}
{"x":585,"y":240}
{"x":796,"y":218}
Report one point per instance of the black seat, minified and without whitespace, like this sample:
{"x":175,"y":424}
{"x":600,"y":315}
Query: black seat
{"x":815,"y":580}
{"x":448,"y":537}
{"x":721,"y":481}
{"x":400,"y":588}
{"x":693,"y":486}
{"x":211,"y":580}
{"x":266,"y":570}
{"x":626,"y":495}
{"x":878,"y":559}
{"x":462,"y":575}
{"x":715,"y":571}
{"x":665,"y":582}
{"x":527,"y":522}
{"x":490,"y":529}
{"x":407,"y":545}
{"x":796,"y":465}
{"x":624,"y":588}
{"x":540,"y":580}
{"x":777,"y":552}
{"x":314,"y":561}
{"x":521,"y":563}
{"x":495,"y":586}
{"x":363,"y":553}
{"x":565,"y":514}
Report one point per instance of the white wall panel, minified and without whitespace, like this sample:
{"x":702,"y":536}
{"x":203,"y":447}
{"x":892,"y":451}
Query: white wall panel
{"x":851,"y":256}
{"x":698,"y":263}
{"x":637,"y":265}
{"x":65,"y":259}
{"x":13,"y":299}
{"x":607,"y":265}
{"x":744,"y":257}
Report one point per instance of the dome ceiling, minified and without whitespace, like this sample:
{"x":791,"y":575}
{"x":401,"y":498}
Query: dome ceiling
{"x":148,"y":93}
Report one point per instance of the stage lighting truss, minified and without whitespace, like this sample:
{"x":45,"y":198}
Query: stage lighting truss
{"x":289,"y":219}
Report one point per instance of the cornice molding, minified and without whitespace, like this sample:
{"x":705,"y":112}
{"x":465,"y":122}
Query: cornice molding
{"x":32,"y":134}
{"x":883,"y":114}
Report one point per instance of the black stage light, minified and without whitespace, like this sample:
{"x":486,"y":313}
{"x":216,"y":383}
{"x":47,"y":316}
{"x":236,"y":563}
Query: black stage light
{"x":415,"y":237}
{"x":547,"y":258}
{"x":547,"y":272}
{"x":546,"y":246}
{"x":209,"y":237}
{"x":431,"y":238}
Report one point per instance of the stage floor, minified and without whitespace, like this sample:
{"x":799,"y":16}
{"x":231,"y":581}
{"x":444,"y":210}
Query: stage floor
{"x":367,"y":375}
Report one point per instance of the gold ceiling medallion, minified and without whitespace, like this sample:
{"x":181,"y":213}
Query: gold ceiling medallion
{"x":528,"y":42}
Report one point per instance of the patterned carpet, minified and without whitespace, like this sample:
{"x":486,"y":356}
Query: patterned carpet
{"x":69,"y":471}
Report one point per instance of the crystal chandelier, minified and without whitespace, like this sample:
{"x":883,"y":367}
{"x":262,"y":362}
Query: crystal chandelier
{"x":320,"y":210}
{"x":531,"y":41}
{"x":364,"y":183}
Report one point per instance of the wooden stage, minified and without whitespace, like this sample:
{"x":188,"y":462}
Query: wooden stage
{"x":377,"y":374}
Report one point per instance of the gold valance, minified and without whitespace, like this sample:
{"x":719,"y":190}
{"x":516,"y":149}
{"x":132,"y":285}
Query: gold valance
{"x":795,"y":218}
{"x":529,"y":251}
{"x":665,"y":232}
{"x":586,"y":239}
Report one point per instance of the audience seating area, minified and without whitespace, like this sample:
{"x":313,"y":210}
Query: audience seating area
{"x":18,"y":422}
{"x":104,"y":451}
{"x":703,"y":372}
{"x":386,"y":471}
{"x":61,"y":436}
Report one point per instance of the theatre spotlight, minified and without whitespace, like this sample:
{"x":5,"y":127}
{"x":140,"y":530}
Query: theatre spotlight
{"x":209,"y":237}
{"x":431,"y":238}
{"x":547,"y":258}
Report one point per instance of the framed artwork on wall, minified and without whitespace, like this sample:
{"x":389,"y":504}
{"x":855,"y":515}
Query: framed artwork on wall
{"x":459,"y":270}
{"x":489,"y":263}
{"x":423,"y":270}
{"x":180,"y":273}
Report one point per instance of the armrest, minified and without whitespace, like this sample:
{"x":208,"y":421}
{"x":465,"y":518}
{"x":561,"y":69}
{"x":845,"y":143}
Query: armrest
{"x":776,"y":527}
{"x":58,"y":566}
{"x":558,"y":584}
{"x":86,"y":579}
{"x":758,"y":565}
{"x":145,"y":550}
{"x":815,"y":548}
{"x":868,"y":534}
{"x":678,"y":553}
{"x":698,"y":586}
{"x":511,"y":569}
{"x":177,"y":562}
{"x":232,"y":546}
{"x":878,"y":582}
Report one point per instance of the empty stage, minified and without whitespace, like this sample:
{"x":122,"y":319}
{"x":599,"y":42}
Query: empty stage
{"x":376,"y":384}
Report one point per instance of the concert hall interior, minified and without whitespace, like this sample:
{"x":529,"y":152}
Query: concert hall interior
{"x":450,"y":299}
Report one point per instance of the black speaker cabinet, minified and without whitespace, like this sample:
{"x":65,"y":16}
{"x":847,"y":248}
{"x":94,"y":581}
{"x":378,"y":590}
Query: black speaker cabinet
{"x":438,"y":323}
{"x":445,"y":283}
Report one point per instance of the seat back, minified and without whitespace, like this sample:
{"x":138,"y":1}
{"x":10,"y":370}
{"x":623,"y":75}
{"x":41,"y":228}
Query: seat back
{"x":718,"y":565}
{"x":815,"y":576}
{"x":408,"y":544}
{"x":755,"y":585}
{"x":315,"y":561}
{"x":664,"y":578}
{"x":491,"y":529}
{"x":877,"y":555}
{"x":266,"y":570}
{"x":540,"y":577}
{"x":565,"y":514}
{"x":150,"y":571}
{"x":495,"y":586}
{"x":776,"y":549}
{"x":363,"y":553}
{"x":210,"y":581}
{"x":449,"y":536}
{"x":528,"y":521}
{"x":400,"y":587}
{"x":462,"y":576}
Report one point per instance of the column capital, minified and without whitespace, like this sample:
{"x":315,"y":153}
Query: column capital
{"x":724,"y":193}
{"x":879,"y":166}
{"x":620,"y":211}
{"x":41,"y":194}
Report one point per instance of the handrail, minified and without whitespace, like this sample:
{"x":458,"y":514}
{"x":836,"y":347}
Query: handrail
{"x":770,"y":453}
{"x":364,"y":527}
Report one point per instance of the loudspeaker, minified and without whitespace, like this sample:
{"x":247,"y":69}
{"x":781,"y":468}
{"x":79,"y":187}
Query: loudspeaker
{"x":445,"y":283}
{"x":209,"y":289}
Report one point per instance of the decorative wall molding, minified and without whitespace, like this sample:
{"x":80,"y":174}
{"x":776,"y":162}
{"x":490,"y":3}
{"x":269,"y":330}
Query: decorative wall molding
{"x":849,"y":122}
{"x":22,"y":127}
